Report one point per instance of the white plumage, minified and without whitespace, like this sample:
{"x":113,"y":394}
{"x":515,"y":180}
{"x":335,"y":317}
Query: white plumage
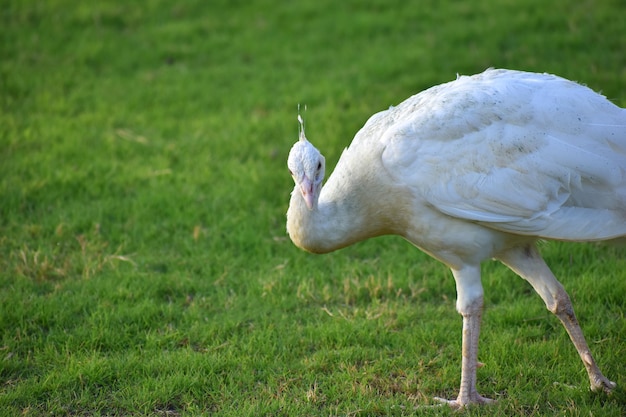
{"x":477,"y":168}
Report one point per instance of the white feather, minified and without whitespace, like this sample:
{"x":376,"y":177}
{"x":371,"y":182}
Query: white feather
{"x":517,"y":152}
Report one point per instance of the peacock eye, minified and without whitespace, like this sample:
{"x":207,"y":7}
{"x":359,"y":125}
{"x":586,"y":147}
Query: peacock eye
{"x":319,"y":166}
{"x":290,"y":173}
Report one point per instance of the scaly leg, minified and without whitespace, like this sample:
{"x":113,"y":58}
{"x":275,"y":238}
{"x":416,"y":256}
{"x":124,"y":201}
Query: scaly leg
{"x":470,"y":305}
{"x":528,"y":264}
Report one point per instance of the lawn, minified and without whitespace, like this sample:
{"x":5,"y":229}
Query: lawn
{"x":144,"y":263}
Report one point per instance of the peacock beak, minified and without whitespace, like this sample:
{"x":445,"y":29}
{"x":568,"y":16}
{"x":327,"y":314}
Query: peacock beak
{"x":308,"y":192}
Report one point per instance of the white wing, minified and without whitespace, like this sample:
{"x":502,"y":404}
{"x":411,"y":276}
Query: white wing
{"x":519,"y":152}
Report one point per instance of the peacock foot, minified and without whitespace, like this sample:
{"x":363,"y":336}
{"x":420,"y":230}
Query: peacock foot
{"x":466,"y":400}
{"x":602,"y":384}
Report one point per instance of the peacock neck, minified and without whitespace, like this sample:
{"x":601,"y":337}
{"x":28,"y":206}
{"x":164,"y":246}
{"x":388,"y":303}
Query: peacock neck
{"x":333,"y":223}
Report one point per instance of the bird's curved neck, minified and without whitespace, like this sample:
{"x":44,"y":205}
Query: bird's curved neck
{"x":333,"y":223}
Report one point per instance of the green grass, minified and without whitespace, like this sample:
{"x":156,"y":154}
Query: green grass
{"x":144,"y":264}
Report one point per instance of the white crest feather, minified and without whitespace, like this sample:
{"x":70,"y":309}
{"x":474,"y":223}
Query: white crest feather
{"x":301,"y":134}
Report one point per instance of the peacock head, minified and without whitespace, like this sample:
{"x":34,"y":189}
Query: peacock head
{"x":306,"y":166}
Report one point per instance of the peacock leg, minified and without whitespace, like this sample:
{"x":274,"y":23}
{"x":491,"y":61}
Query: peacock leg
{"x":470,"y":305}
{"x":565,"y":313}
{"x":528,"y":264}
